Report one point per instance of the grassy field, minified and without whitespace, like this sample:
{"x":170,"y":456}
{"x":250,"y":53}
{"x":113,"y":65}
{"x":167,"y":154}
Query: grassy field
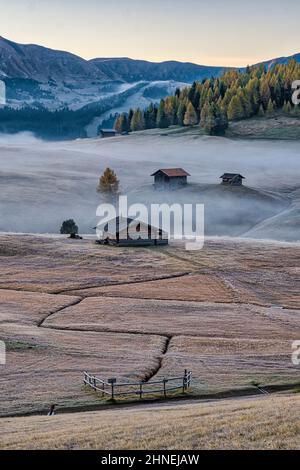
{"x":264,"y":423}
{"x":279,"y":127}
{"x":229,"y":313}
{"x":55,"y":265}
{"x":276,"y":127}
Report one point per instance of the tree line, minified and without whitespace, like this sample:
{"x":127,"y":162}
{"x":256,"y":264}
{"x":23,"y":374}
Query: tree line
{"x":212,"y":103}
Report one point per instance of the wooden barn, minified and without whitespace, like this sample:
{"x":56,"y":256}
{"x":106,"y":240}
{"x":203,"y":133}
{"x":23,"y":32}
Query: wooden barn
{"x":130,"y":232}
{"x":232,"y":179}
{"x":108,"y":133}
{"x":170,"y":178}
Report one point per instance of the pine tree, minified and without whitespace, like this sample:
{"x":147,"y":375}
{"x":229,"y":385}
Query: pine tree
{"x":137,"y":121}
{"x":121,"y":124}
{"x":213,"y":120}
{"x":109,"y":183}
{"x":270,"y":108}
{"x":190,"y":117}
{"x":181,"y":113}
{"x":129,"y":119}
{"x":261,"y":111}
{"x":252,"y":89}
{"x":150,"y":116}
{"x":117,"y":125}
{"x":265,"y":93}
{"x":287,"y":108}
{"x":193,"y":95}
{"x":204,"y":115}
{"x":161,"y":119}
{"x":246,"y":102}
{"x":171,"y":107}
{"x":235,"y":109}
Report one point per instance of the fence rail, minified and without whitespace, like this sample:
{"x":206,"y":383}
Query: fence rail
{"x":114,"y":389}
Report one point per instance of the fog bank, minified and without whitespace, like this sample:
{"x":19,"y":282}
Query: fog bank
{"x":44,"y":183}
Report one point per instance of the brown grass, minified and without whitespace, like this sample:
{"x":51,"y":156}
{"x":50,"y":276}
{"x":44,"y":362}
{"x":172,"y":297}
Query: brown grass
{"x":262,"y":273}
{"x":218,"y":319}
{"x":196,"y":287}
{"x":221,"y":365}
{"x":53,"y":265}
{"x":46,"y":366}
{"x":28,"y":307}
{"x":178,"y":318}
{"x":265,"y":423}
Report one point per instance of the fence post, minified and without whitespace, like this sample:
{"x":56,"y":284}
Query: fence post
{"x":185,"y":380}
{"x":112,"y":382}
{"x":95,"y":384}
{"x":103,"y":388}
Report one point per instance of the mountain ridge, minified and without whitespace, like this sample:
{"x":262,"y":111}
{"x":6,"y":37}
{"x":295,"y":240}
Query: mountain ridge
{"x":38,"y":78}
{"x":32,"y":61}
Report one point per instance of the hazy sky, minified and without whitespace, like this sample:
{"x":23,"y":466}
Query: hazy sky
{"x":213,"y":32}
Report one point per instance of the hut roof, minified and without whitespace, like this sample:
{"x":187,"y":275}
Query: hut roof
{"x":109,"y":131}
{"x":231,"y":175}
{"x":172,"y":172}
{"x":122,"y":224}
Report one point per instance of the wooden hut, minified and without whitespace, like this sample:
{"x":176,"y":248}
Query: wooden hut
{"x":232,"y":179}
{"x":108,"y":133}
{"x":170,"y":178}
{"x":130,"y":232}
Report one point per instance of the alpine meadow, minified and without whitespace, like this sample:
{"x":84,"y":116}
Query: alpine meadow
{"x":149,"y":231}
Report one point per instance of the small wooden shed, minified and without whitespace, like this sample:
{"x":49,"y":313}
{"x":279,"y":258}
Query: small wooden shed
{"x":170,"y":178}
{"x":108,"y":133}
{"x":232,"y":179}
{"x":130,"y":232}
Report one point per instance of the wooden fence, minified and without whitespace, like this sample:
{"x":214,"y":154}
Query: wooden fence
{"x":112,"y":389}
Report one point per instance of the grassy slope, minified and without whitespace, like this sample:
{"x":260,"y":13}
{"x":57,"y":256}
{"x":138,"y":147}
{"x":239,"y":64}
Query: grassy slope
{"x":276,"y":127}
{"x":279,"y":127}
{"x":264,"y":423}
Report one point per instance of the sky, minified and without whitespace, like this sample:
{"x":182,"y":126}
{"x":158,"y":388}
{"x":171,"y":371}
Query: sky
{"x":215,"y":32}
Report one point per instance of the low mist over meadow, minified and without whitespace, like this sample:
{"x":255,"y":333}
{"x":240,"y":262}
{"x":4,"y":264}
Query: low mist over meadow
{"x":44,"y":183}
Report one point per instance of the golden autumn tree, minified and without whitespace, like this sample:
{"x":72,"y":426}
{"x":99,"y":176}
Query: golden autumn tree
{"x":109,"y":183}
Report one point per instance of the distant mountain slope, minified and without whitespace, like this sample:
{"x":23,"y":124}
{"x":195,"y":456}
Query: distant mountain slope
{"x":282,"y":60}
{"x":41,"y":79}
{"x":41,"y":64}
{"x":30,"y":61}
{"x":131,"y":70}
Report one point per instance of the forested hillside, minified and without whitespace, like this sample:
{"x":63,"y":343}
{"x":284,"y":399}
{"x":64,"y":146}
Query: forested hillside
{"x":236,"y":95}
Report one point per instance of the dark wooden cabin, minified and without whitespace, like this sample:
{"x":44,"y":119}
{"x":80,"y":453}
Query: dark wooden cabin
{"x":170,"y":178}
{"x":232,"y":179}
{"x":130,"y":232}
{"x":108,"y":133}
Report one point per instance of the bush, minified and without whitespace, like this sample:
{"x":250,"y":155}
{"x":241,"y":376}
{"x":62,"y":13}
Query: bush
{"x":69,"y":227}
